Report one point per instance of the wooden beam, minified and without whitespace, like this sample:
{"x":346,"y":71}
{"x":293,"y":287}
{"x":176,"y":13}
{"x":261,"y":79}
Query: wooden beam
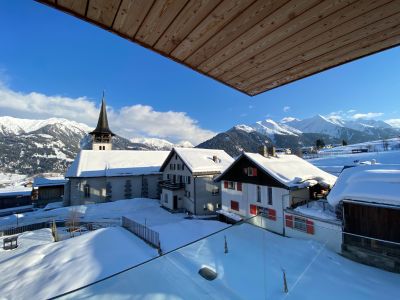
{"x":103,"y":11}
{"x":131,"y":15}
{"x":353,"y":16}
{"x":193,"y":13}
{"x":365,"y":25}
{"x":215,"y":21}
{"x":258,"y":11}
{"x":157,"y":21}
{"x":290,"y":18}
{"x":373,"y":43}
{"x":78,"y":6}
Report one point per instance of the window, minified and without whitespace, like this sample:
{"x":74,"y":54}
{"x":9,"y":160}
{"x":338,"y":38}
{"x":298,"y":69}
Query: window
{"x":99,"y":147}
{"x":300,"y":224}
{"x":187,"y":194}
{"x":178,"y":166}
{"x":215,"y":191}
{"x":258,"y":193}
{"x":229,"y":185}
{"x":271,"y":214}
{"x":188,"y":179}
{"x":234,"y":205}
{"x":253,"y":209}
{"x":128,"y":189}
{"x":165,"y":198}
{"x":168,"y":176}
{"x":269,"y":195}
{"x":183,"y":167}
{"x":249,"y":171}
{"x":86,"y":190}
{"x":218,"y":205}
{"x":239,"y":186}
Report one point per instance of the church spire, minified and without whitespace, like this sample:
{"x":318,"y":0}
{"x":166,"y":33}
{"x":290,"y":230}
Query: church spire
{"x":102,"y":123}
{"x":102,"y":134}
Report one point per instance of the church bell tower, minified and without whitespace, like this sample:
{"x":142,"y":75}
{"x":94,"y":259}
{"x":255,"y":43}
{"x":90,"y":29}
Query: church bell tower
{"x":102,"y":135}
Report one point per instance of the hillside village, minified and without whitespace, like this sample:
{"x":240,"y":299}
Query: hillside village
{"x":157,"y":201}
{"x":165,"y":200}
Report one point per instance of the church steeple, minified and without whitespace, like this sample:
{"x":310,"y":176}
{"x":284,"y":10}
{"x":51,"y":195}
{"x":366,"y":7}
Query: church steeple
{"x":102,"y":135}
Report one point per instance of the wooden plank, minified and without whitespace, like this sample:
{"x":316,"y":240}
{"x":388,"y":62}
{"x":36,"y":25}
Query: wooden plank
{"x":373,"y":43}
{"x":103,"y":11}
{"x":298,"y":42}
{"x":131,"y":15}
{"x":296,"y":18}
{"x":193,"y":13}
{"x":341,"y":35}
{"x":77,"y":6}
{"x":216,"y":20}
{"x":251,"y":16}
{"x":157,"y":21}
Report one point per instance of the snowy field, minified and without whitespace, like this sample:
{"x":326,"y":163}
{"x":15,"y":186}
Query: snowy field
{"x":9,"y":179}
{"x":252,"y":269}
{"x":40,"y":268}
{"x":335,"y":164}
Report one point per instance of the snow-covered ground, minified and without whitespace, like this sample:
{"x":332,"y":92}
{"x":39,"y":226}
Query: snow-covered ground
{"x":75,"y":262}
{"x":335,"y":164}
{"x":9,"y":179}
{"x":252,"y":269}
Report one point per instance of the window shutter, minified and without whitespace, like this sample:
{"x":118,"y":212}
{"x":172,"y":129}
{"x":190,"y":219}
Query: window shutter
{"x":245,"y":171}
{"x":235,"y":205}
{"x":254,"y":171}
{"x":253,"y":209}
{"x":310,"y":226}
{"x":226,"y":184}
{"x":239,"y":186}
{"x":289,"y":221}
{"x":272,"y":214}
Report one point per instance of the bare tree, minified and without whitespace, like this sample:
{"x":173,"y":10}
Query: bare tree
{"x":72,"y":222}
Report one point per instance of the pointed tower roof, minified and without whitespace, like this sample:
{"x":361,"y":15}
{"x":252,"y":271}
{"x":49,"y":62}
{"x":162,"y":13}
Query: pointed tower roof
{"x":102,"y":123}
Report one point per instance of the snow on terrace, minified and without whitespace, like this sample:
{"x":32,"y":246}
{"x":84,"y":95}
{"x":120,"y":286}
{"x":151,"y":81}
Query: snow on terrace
{"x":370,"y":183}
{"x":252,"y":269}
{"x":97,"y":254}
{"x":201,"y":160}
{"x":291,"y":170}
{"x":90,"y":163}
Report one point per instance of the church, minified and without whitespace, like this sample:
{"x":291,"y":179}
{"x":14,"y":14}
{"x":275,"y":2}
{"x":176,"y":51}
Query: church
{"x":103,"y":174}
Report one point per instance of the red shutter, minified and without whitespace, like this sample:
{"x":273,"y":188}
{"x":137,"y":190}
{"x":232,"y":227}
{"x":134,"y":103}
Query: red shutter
{"x":253,"y":209}
{"x":239,"y":186}
{"x":254,"y":171}
{"x":226,"y":184}
{"x":235,"y":205}
{"x":272,"y":214}
{"x":289,"y":221}
{"x":310,"y":226}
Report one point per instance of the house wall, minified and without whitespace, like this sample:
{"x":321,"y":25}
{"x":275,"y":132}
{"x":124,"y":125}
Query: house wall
{"x":200,"y":189}
{"x":48,"y":194}
{"x":327,"y":232}
{"x":98,"y":188}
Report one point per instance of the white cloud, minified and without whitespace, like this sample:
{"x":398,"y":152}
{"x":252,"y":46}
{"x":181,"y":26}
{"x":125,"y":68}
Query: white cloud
{"x":129,"y":121}
{"x":286,"y":108}
{"x":369,"y":115}
{"x":394,"y":122}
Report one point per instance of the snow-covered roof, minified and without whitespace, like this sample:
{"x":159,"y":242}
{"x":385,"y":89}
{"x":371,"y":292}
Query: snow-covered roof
{"x":370,"y":183}
{"x":92,"y":163}
{"x":48,"y":181}
{"x":16,"y":191}
{"x":291,"y":170}
{"x":200,"y":160}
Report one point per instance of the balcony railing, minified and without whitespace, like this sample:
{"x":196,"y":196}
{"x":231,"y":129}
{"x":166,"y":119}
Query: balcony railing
{"x":168,"y":184}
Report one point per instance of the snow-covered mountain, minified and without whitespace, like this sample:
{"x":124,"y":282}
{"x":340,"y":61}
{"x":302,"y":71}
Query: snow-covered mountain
{"x":38,"y":146}
{"x":294,"y":133}
{"x":160,"y":144}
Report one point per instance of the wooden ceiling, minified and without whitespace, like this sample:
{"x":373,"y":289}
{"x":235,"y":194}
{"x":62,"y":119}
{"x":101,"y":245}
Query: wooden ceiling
{"x":252,"y":46}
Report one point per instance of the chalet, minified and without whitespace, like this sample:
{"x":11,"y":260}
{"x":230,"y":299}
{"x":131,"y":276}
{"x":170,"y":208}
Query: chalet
{"x":266,"y":184}
{"x":369,"y":196}
{"x":188,"y":179}
{"x":103,"y":174}
{"x":48,"y":190}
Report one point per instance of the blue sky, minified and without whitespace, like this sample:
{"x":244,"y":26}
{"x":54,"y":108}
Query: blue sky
{"x":53,"y":54}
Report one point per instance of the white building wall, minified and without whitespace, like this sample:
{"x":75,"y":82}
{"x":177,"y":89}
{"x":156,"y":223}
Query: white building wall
{"x":327,"y":232}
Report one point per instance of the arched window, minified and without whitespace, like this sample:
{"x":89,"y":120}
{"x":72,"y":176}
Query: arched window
{"x":86,"y":190}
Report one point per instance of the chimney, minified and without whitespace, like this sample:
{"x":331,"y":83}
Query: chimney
{"x":272,"y":151}
{"x":263,"y":151}
{"x":215,"y":158}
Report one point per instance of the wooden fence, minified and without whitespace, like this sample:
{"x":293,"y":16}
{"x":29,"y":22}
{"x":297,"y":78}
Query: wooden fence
{"x":148,"y":235}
